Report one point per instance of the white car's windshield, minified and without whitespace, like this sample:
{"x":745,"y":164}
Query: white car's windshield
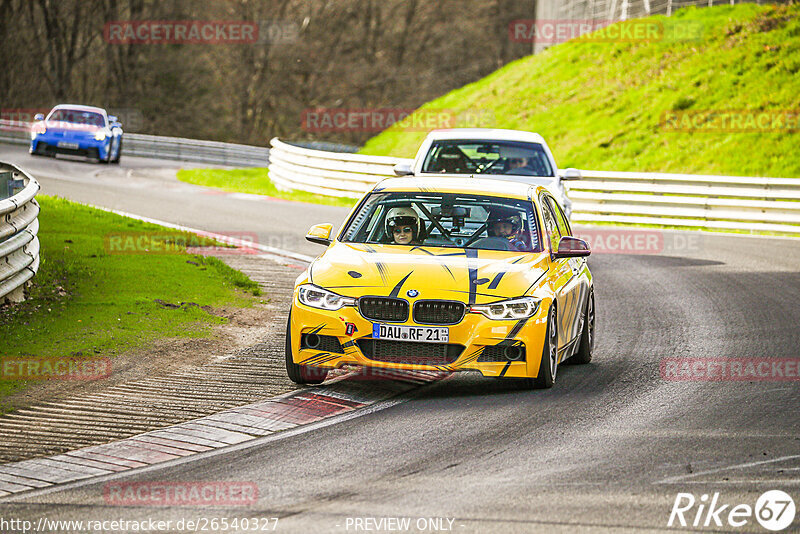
{"x":73,"y":116}
{"x":445,"y":220}
{"x":487,"y":157}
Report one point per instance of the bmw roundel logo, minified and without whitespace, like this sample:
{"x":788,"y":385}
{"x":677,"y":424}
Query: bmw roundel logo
{"x":412,"y":293}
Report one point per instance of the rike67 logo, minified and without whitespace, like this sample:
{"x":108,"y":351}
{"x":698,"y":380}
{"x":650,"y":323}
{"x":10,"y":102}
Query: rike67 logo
{"x":774,"y":510}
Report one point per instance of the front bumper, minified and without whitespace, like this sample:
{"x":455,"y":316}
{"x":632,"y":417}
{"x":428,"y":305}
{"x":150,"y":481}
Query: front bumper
{"x":90,"y":147}
{"x":480,"y":337}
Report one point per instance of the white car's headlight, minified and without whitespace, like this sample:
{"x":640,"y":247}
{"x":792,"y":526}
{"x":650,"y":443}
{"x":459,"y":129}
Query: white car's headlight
{"x":518,"y":308}
{"x":99,"y":136}
{"x":317,"y":297}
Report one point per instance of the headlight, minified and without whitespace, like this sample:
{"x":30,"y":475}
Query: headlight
{"x":37,"y":128}
{"x":99,"y":136}
{"x":316,"y":297}
{"x":519,"y":308}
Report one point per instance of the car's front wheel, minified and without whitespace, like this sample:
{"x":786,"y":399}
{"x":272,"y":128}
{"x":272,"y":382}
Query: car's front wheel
{"x":107,"y":159}
{"x":549,"y":364}
{"x":118,"y":152}
{"x":300,"y":374}
{"x":39,"y":151}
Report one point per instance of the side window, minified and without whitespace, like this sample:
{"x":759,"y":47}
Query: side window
{"x":550,"y":223}
{"x":561,"y":221}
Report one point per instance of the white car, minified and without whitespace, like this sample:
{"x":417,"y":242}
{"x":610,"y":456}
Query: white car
{"x":491,"y":153}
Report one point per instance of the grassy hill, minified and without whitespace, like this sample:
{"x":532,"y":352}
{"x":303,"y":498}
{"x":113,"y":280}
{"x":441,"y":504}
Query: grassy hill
{"x":604,"y":105}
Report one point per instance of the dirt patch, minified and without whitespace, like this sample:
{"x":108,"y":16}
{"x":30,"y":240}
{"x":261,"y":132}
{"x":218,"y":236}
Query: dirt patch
{"x":169,"y":382}
{"x":246,"y":327}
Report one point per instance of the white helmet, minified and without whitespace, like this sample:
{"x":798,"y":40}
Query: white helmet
{"x":403,"y":216}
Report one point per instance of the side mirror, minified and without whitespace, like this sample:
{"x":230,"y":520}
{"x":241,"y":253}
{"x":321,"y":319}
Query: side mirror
{"x":320,"y":234}
{"x":38,"y":117}
{"x":403,"y":169}
{"x":572,"y":247}
{"x":571,"y":174}
{"x":112,"y":118}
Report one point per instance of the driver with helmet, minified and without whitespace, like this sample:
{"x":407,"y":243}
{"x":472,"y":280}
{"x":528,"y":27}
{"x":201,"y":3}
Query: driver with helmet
{"x":403,"y":226}
{"x":506,"y":223}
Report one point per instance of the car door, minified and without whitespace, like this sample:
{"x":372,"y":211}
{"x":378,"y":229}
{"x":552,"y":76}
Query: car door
{"x":570,"y":289}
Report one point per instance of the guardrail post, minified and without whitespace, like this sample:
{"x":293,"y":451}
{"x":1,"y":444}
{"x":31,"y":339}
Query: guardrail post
{"x":17,"y":295}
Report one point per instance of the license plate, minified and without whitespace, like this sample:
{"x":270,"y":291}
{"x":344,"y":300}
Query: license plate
{"x":424,"y":334}
{"x":64,"y":144}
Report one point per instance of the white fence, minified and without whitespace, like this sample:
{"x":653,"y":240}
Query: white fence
{"x":327,"y":173}
{"x":155,"y":146}
{"x":19,"y":246}
{"x":684,"y":200}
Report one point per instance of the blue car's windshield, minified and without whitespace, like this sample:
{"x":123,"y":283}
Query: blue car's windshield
{"x":73,"y":116}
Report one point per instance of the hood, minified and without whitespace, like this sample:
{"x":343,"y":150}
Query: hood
{"x":552,"y":183}
{"x":470,"y":276}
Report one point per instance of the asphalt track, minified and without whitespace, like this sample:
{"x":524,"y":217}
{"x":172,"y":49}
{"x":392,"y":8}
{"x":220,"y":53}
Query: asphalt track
{"x":608,"y":448}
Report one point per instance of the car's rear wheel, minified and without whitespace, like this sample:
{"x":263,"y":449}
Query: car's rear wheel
{"x":300,"y":374}
{"x":586,"y":347}
{"x":549,"y":364}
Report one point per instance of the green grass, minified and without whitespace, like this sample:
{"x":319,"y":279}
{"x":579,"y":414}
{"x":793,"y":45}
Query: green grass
{"x":600,"y":105}
{"x":255,"y":181}
{"x":87,"y":300}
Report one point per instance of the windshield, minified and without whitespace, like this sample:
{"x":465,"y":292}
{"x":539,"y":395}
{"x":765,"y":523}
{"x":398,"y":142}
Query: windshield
{"x":72,"y":116}
{"x":487,"y":157}
{"x":452,"y":220}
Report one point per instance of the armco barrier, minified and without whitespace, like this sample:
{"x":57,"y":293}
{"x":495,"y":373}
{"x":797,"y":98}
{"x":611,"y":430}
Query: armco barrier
{"x":688,"y":200}
{"x":19,"y":246}
{"x":327,"y":173}
{"x":155,"y":146}
{"x":684,"y":200}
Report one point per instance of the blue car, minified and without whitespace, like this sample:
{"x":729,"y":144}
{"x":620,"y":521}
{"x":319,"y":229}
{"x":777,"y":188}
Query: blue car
{"x":78,"y":131}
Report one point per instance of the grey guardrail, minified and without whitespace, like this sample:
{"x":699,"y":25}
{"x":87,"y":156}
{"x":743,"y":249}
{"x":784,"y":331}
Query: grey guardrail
{"x":683,"y":200}
{"x":19,"y":225}
{"x":161,"y":147}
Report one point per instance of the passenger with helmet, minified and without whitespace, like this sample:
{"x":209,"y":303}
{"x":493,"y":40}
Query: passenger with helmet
{"x":403,"y":226}
{"x":506,"y":223}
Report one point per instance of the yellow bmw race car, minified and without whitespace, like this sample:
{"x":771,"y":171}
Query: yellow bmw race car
{"x":445,"y":274}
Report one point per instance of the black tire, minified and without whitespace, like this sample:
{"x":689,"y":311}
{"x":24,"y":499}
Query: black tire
{"x":108,"y":154}
{"x":115,"y":161}
{"x":300,"y":374}
{"x":586,"y":347}
{"x":549,"y":365}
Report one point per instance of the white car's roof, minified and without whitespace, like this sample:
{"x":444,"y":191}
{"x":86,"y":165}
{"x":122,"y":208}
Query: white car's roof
{"x":78,"y":107}
{"x":488,"y":134}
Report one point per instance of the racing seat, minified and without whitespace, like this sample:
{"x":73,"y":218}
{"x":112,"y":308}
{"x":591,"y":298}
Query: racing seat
{"x":451,"y":160}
